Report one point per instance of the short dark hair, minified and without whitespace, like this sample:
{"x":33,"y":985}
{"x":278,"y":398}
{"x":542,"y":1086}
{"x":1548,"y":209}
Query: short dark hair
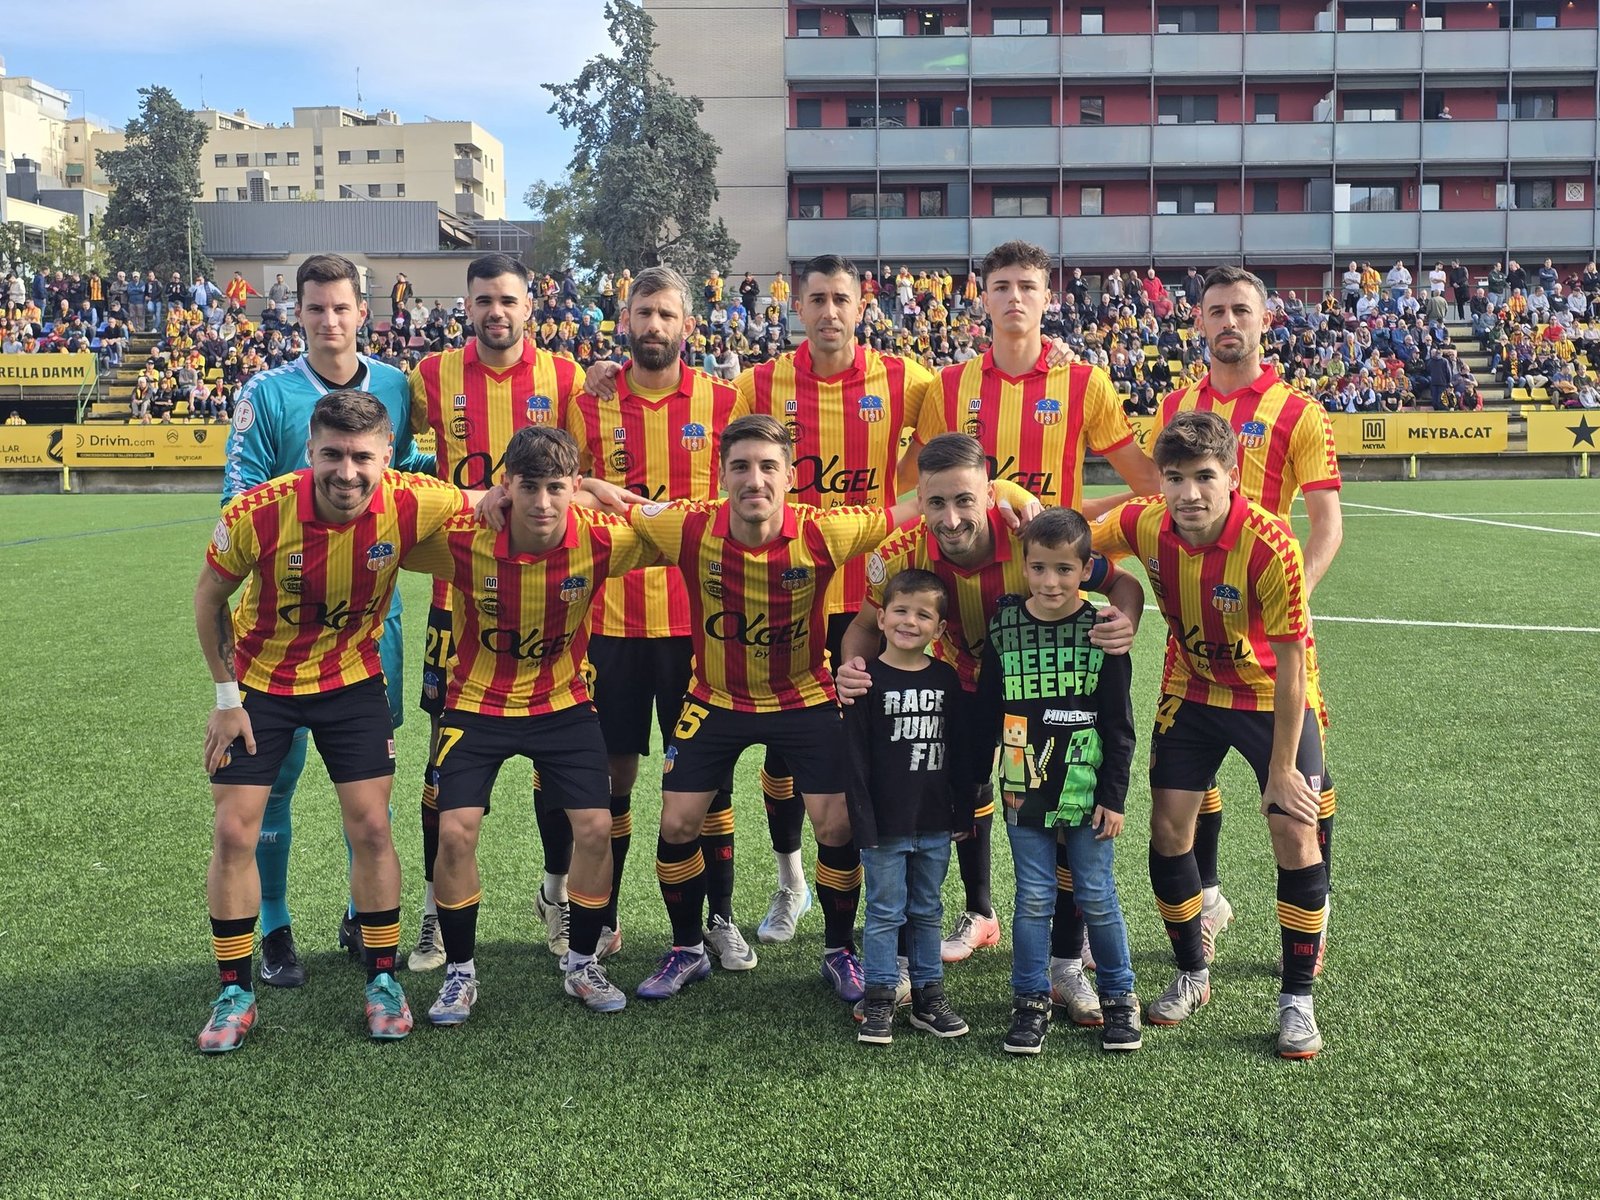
{"x":757,"y":427}
{"x":351,"y":411}
{"x":327,"y":268}
{"x":913,"y":582}
{"x":1057,"y":527}
{"x":1016,"y":254}
{"x":949,"y":451}
{"x":492,"y":266}
{"x":1195,"y":435}
{"x":1226,"y":276}
{"x":539,"y":452}
{"x":829,"y":265}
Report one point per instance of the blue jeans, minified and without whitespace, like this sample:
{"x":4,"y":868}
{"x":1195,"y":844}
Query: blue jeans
{"x":1095,"y":889}
{"x":904,"y":876}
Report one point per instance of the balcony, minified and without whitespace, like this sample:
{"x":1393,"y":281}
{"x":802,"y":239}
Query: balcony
{"x":1551,"y":229}
{"x":1547,"y":50}
{"x":1388,"y":52}
{"x":1016,"y":57}
{"x":1105,"y":146}
{"x":1017,"y":147}
{"x":1465,"y":141}
{"x":923,"y":237}
{"x":853,"y":238}
{"x":935,"y":147}
{"x":923,"y":57}
{"x":831,"y":149}
{"x":1377,"y":141}
{"x":1198,"y":145}
{"x":988,"y":232}
{"x":1554,"y":141}
{"x":1199,"y":54}
{"x":469,"y":205}
{"x":1105,"y":239}
{"x":1193,"y":235}
{"x":1289,"y":144}
{"x":1465,"y":50}
{"x":469,"y":170}
{"x":1464,"y":232}
{"x":1269,"y":234}
{"x":1376,"y":233}
{"x":828,"y":58}
{"x":1288,"y":53}
{"x":1106,"y":56}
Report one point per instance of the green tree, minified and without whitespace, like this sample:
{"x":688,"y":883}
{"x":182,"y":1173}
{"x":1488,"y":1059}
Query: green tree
{"x":66,"y":250}
{"x":150,"y":224}
{"x":566,"y":237}
{"x":649,"y":170}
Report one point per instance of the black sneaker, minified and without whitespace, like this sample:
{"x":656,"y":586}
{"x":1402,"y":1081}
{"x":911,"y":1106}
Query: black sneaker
{"x":877,"y":1017}
{"x":350,"y":935}
{"x":931,"y":1012}
{"x":1122,"y":1029}
{"x":1030,"y":1021}
{"x":280,"y":960}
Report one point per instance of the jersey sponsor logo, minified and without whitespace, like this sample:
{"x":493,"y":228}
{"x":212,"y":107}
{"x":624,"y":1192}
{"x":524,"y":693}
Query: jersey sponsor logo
{"x":1047,"y":412}
{"x":1226,"y":598}
{"x":379,"y":555}
{"x":794,"y":577}
{"x":291,"y":584}
{"x":489,"y":606}
{"x":459,"y":402}
{"x":220,"y":537}
{"x":476,"y":472}
{"x":877,"y":569}
{"x":1040,"y":483}
{"x":244,"y":416}
{"x":973,"y":428}
{"x":811,"y":474}
{"x":797,"y":431}
{"x":1201,"y":648}
{"x":621,"y":461}
{"x":539,"y":410}
{"x":574,"y":588}
{"x":521,"y":646}
{"x":338,"y":616}
{"x":692,"y":437}
{"x":1253,"y":435}
{"x":871,"y":409}
{"x":460,"y":427}
{"x":756,"y":632}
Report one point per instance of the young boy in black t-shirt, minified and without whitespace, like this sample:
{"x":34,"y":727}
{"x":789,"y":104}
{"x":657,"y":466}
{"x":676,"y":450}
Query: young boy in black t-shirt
{"x":906,"y":798}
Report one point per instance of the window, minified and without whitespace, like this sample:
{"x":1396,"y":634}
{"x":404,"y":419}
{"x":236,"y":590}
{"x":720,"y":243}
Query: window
{"x":241,"y":193}
{"x":1016,"y":21}
{"x":1433,"y":15}
{"x":274,"y":195}
{"x":222,"y":193}
{"x":1267,"y":18}
{"x":808,"y":206}
{"x":1373,"y":106}
{"x":891,"y":24}
{"x":808,"y":23}
{"x":1092,"y":202}
{"x":1428,"y":198}
{"x":1021,"y":202}
{"x":1091,"y":110}
{"x":241,"y":160}
{"x":1264,"y":196}
{"x":374,"y":190}
{"x":1529,"y":15}
{"x":400,"y":156}
{"x":1527,"y":193}
{"x":866,"y":114}
{"x":219,"y":160}
{"x":858,"y":24}
{"x":1266,"y":108}
{"x":1093,"y":21}
{"x":932,"y":202}
{"x":879,"y":204}
{"x":930,"y":113}
{"x":1533,"y":106}
{"x":1187,"y":110}
{"x":1378,"y":18}
{"x":400,"y":190}
{"x":892,"y":204}
{"x":270,"y":158}
{"x":1173,"y":198}
{"x":1019,"y":110}
{"x":808,"y":114}
{"x":374,"y":156}
{"x":291,"y":158}
{"x":930,"y":23}
{"x":294,"y":191}
{"x":1186,"y":18}
{"x":1364,"y":197}
{"x":344,"y":156}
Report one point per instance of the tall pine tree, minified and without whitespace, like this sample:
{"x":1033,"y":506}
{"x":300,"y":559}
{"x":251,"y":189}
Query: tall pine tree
{"x":155,"y":179}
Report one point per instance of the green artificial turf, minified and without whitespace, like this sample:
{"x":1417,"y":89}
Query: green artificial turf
{"x":1458,"y":1004}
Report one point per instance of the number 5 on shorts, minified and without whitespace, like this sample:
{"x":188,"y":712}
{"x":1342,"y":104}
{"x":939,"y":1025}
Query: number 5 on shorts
{"x":689,"y":721}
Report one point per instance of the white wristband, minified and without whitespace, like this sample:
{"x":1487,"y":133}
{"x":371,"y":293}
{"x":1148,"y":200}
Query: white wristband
{"x":228,"y":696}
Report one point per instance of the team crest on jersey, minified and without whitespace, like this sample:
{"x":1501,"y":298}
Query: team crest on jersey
{"x":975,"y":404}
{"x":460,"y":401}
{"x":1225,"y":598}
{"x":1252,"y":434}
{"x":220,"y":538}
{"x":379,"y":555}
{"x":619,"y":434}
{"x":539,"y":410}
{"x":872,"y":409}
{"x":244,"y":416}
{"x":877,"y":570}
{"x":1047,"y":412}
{"x":574,"y":588}
{"x":297,"y":561}
{"x":794,"y":577}
{"x":693,"y":437}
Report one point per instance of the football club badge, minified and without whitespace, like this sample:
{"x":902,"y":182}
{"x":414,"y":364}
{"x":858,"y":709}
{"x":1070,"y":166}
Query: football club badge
{"x":794,"y":577}
{"x":379,"y":555}
{"x":539,"y":410}
{"x":693,"y":437}
{"x":1253,"y":435}
{"x":871,"y":409}
{"x":1047,"y":412}
{"x":1226,"y":598}
{"x":574,"y":588}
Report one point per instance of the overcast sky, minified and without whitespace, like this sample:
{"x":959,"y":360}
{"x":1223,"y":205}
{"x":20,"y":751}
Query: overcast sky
{"x":457,"y":60}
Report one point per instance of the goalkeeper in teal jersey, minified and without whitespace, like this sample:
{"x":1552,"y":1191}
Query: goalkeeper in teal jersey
{"x":271,"y":426}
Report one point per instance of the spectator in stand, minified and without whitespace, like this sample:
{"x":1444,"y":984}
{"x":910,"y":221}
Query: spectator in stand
{"x":15,"y":418}
{"x":1437,"y":279}
{"x":1351,"y":287}
{"x":1538,"y":306}
{"x":1498,"y":286}
{"x":1549,"y":279}
{"x":400,"y":293}
{"x":1440,"y":373}
{"x":1516,"y":277}
{"x":1398,"y":281}
{"x":750,"y":292}
{"x":1461,"y":286}
{"x":281,"y":297}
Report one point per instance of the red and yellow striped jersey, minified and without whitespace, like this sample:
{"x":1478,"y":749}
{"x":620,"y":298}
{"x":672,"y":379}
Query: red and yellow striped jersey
{"x":313,"y":607}
{"x":663,"y":447}
{"x":1034,"y":428}
{"x":1285,"y":438}
{"x":473,"y":411}
{"x":846,"y":431}
{"x":758,"y":614}
{"x":520,"y":621}
{"x":1225,"y":604}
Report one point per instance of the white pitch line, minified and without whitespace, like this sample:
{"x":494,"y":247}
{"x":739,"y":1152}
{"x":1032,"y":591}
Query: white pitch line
{"x":1458,"y":625}
{"x":1589,"y":516}
{"x":1407,"y":512}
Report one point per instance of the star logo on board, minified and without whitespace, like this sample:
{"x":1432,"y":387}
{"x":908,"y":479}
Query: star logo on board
{"x":1583,"y":432}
